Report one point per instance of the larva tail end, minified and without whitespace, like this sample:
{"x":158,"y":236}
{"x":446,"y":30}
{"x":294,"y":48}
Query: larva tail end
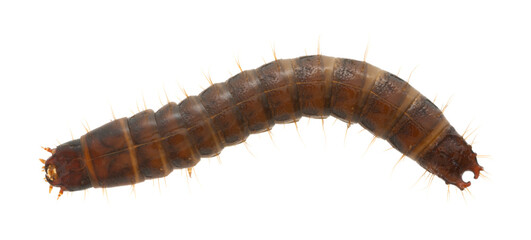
{"x":450,"y":158}
{"x":463,"y":185}
{"x":477,"y":171}
{"x":469,"y":163}
{"x":455,"y":177}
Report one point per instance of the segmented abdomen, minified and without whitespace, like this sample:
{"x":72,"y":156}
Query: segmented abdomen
{"x":151,"y":144}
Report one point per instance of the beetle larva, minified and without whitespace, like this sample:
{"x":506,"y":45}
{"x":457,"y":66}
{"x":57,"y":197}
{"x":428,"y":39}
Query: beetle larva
{"x":151,"y":144}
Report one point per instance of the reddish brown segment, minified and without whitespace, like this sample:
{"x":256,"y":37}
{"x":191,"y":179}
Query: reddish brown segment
{"x":151,"y":144}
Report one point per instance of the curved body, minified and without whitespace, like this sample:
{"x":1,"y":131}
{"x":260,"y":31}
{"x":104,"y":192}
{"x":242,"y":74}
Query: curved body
{"x":151,"y":144}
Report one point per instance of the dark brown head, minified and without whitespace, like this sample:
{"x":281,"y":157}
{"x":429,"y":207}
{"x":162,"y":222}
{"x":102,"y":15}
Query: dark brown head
{"x":450,"y":158}
{"x":65,"y":168}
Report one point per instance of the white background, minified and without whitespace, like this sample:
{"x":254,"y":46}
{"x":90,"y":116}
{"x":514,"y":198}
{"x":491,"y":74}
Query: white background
{"x":66,"y":62}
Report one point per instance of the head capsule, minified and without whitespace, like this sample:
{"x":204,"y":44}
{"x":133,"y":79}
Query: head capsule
{"x":65,"y":168}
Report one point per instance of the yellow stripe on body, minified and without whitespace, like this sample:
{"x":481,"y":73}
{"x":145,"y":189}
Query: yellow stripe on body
{"x":88,"y":162}
{"x":130,"y":148}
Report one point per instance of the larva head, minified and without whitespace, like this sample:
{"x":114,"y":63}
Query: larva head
{"x":65,"y":168}
{"x":450,"y":158}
